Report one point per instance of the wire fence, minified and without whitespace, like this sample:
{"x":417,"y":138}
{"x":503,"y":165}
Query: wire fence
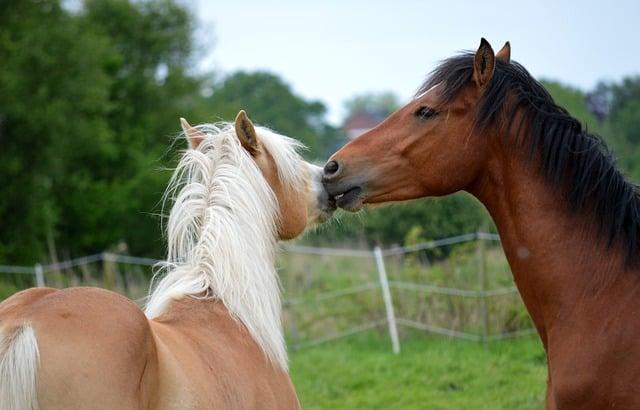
{"x":460,"y":287}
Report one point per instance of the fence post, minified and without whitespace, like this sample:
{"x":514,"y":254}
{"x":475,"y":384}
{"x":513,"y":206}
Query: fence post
{"x":388,"y":303}
{"x":482,"y":274}
{"x":108,"y":271}
{"x":39,"y":275}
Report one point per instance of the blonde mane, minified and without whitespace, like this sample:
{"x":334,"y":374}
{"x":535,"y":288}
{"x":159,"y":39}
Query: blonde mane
{"x":222,"y":232}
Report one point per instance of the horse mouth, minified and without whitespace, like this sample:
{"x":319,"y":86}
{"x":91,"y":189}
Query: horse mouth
{"x":350,"y":200}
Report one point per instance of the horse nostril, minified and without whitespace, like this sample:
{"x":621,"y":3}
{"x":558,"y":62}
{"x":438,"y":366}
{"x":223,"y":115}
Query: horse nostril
{"x":331,"y":168}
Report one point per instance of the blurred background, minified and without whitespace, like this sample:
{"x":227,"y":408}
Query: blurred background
{"x":90,"y":96}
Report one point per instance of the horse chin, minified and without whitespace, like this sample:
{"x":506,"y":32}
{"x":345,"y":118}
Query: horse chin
{"x":351,"y":200}
{"x":325,"y":212}
{"x":323,"y":217}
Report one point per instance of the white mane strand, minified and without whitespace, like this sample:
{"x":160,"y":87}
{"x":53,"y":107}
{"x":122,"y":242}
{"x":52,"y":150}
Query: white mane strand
{"x":222,"y":232}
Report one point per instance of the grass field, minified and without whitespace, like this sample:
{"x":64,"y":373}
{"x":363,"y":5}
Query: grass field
{"x":429,"y":373}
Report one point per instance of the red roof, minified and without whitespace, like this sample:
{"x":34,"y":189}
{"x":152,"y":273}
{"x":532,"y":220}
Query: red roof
{"x":362,"y":120}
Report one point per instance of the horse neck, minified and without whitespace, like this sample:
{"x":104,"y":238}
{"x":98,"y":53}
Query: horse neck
{"x":222,"y":242}
{"x":557,"y":257}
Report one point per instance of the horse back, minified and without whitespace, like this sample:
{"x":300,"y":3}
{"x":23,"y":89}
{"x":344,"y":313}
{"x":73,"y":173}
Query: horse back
{"x":95,"y":347}
{"x":208,"y":360}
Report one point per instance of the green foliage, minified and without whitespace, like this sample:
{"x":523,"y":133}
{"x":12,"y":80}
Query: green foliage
{"x":620,"y":124}
{"x":574,"y":101}
{"x":53,"y":100}
{"x":624,"y":122}
{"x":435,"y":218}
{"x":269,"y":101}
{"x":438,"y":218}
{"x":87,"y":99}
{"x":383,"y":103}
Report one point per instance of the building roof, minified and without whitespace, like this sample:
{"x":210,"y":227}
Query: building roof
{"x":360,"y":122}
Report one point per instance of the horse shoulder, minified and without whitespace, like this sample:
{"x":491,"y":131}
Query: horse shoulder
{"x":207,"y":359}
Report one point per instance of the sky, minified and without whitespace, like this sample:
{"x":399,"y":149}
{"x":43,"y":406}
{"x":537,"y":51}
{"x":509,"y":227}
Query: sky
{"x":332,"y":50}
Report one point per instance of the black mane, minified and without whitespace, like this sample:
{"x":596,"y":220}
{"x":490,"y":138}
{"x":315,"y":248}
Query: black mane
{"x":571,"y":158}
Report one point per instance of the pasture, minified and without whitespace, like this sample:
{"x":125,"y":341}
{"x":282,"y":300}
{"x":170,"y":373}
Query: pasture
{"x":429,"y":373}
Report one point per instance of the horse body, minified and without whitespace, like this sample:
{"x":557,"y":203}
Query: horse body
{"x":210,"y":336}
{"x":97,"y":349}
{"x":568,"y":221}
{"x":93,"y":346}
{"x":581,"y":299}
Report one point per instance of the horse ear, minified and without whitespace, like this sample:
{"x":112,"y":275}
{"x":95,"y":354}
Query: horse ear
{"x":246,"y":133}
{"x":505,"y":53}
{"x":483,"y":64}
{"x":194,"y":136}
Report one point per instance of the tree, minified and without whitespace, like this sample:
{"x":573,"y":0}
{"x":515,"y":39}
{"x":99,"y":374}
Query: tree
{"x":624,"y":121}
{"x":574,"y":101}
{"x":269,"y":101}
{"x":86,"y":101}
{"x":151,"y":88}
{"x":53,"y":100}
{"x":383,"y":103}
{"x":611,"y":111}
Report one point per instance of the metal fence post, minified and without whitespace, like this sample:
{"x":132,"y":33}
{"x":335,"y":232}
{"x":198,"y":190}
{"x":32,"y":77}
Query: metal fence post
{"x":482,"y":274}
{"x":39,"y":275}
{"x":388,"y":303}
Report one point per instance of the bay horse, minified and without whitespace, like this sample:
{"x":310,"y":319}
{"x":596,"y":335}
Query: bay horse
{"x":210,"y":336}
{"x":568,"y":219}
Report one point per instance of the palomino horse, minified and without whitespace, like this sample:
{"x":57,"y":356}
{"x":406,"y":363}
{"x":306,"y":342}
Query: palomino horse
{"x":568,"y":220}
{"x":211,"y":336}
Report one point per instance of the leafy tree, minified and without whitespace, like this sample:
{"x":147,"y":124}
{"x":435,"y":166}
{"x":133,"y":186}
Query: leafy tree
{"x":269,"y":101}
{"x":53,"y":100}
{"x":383,"y":103}
{"x":151,"y":88}
{"x":624,"y":122}
{"x":610,"y":110}
{"x":574,"y":101}
{"x":86,"y":101}
{"x":435,"y":217}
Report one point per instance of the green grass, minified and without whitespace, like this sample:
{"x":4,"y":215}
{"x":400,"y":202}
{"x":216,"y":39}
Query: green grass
{"x":429,"y":373}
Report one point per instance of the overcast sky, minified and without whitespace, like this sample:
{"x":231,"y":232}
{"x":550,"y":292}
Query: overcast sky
{"x":331,"y":50}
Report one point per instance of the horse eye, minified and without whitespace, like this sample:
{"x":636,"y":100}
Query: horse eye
{"x":425,"y":113}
